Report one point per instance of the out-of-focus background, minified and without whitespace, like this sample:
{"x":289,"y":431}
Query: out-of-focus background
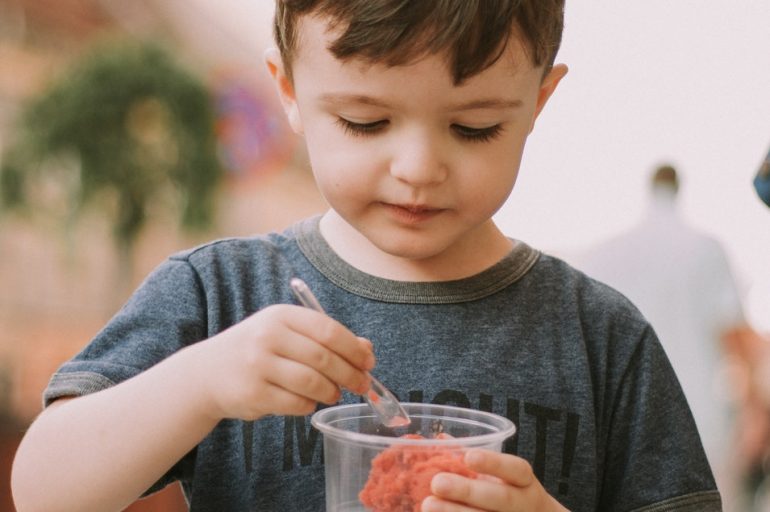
{"x":131,"y":130}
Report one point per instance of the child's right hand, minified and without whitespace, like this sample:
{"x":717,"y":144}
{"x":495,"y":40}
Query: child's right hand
{"x":282,"y":360}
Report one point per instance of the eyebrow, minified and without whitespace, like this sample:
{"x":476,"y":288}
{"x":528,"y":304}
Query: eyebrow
{"x":338,"y":99}
{"x":361,"y":99}
{"x":489,"y":104}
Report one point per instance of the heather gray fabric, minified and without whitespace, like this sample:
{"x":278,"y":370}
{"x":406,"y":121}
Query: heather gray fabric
{"x":600,"y":414}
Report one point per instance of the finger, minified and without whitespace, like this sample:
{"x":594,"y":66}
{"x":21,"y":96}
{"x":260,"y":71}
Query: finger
{"x":509,"y":468}
{"x":481,"y":494}
{"x":302,"y":380}
{"x":332,"y":334}
{"x":283,"y":402}
{"x":313,"y":355}
{"x":434,"y":504}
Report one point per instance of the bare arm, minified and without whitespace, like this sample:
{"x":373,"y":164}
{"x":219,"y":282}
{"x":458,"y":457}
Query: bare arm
{"x":100,"y":452}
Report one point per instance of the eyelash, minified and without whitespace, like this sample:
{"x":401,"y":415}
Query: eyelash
{"x":464,"y":132}
{"x":478,"y":134}
{"x":360,"y":129}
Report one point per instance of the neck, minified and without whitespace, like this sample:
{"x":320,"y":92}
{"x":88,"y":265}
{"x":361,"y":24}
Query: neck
{"x":663,"y":199}
{"x":475,"y":253}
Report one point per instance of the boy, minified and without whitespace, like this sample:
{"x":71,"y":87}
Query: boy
{"x":415,"y":116}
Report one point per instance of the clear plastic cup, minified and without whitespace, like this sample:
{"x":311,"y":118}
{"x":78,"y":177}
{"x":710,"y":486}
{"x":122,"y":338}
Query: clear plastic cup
{"x":353,"y":437}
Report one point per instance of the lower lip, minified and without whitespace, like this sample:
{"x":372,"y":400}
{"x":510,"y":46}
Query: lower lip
{"x":407,"y":216}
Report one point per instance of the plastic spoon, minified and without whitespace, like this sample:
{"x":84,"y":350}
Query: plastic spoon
{"x":388,"y":410}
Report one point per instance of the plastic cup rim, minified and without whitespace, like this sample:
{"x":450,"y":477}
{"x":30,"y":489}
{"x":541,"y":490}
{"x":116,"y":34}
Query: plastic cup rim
{"x":507,"y":426}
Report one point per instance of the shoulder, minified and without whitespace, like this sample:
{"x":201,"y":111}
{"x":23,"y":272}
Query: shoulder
{"x":236,"y":255}
{"x":236,"y":274}
{"x":568,"y":285}
{"x":602,"y":323}
{"x":235,"y":248}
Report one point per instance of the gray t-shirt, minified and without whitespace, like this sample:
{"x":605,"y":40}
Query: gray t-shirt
{"x":599,"y":412}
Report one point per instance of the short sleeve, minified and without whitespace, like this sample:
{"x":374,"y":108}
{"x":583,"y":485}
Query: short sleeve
{"x":650,"y":417}
{"x":165,"y":314}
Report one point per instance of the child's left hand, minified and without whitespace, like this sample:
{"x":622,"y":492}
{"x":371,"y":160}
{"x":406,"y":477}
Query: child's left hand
{"x":506,"y":483}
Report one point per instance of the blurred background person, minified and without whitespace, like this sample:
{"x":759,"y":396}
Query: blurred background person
{"x":681,"y":281}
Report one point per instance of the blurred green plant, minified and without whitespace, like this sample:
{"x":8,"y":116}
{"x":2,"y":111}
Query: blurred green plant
{"x":126,"y":128}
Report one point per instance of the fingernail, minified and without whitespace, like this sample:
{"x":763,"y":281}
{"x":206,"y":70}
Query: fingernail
{"x":473,"y":458}
{"x":365,"y":385}
{"x":370,"y":361}
{"x":428,"y":504}
{"x":440,"y":484}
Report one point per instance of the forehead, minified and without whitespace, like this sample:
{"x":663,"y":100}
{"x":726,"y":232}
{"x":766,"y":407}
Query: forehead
{"x":315,"y":35}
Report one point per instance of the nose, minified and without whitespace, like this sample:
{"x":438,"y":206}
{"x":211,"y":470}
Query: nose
{"x":419,"y":160}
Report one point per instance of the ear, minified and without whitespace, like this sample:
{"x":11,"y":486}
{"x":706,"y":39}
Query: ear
{"x":547,"y":86}
{"x":285,"y":88}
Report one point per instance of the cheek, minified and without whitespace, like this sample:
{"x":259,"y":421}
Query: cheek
{"x":340,"y":162}
{"x":327,"y":159}
{"x":490,"y":194}
{"x":329,"y":148}
{"x":492,"y":182}
{"x":341,"y":173}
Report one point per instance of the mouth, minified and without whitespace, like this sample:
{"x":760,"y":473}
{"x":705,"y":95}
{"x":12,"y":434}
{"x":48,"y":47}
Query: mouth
{"x":412,"y":213}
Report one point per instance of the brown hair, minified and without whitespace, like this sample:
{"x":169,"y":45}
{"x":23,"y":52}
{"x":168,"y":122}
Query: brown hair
{"x":473,"y":33}
{"x":666,"y":176}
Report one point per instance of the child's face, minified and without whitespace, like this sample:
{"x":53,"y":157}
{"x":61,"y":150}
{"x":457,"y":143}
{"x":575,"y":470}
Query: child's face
{"x":415,"y":164}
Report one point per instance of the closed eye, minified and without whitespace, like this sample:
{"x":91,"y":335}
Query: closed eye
{"x":361,"y":129}
{"x":477,"y":134}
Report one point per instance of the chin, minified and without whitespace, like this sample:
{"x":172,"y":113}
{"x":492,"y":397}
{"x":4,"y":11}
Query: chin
{"x":413,"y":251}
{"x":412,"y":244}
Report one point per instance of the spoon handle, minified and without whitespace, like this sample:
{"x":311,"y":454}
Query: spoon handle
{"x":384,"y":403}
